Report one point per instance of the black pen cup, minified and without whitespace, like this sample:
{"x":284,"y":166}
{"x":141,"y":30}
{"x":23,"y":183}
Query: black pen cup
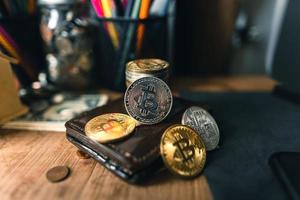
{"x":119,"y":40}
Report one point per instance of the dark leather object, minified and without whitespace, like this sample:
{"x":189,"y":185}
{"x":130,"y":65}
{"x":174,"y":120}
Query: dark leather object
{"x":134,"y":157}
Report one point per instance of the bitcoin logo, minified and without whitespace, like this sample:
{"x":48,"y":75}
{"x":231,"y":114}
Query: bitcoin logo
{"x":204,"y":124}
{"x":109,"y":127}
{"x":146,"y":101}
{"x":185,"y":151}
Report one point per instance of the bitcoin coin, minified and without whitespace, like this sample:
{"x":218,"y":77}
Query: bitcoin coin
{"x":130,"y":77}
{"x":133,"y":76}
{"x":137,"y":69}
{"x":183,"y":151}
{"x":110,"y":127}
{"x":58,"y":173}
{"x":148,"y":100}
{"x":204,"y":124}
{"x":150,"y":65}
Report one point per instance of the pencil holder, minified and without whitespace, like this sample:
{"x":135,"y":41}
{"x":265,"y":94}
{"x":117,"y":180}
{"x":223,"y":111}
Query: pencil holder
{"x":119,"y":40}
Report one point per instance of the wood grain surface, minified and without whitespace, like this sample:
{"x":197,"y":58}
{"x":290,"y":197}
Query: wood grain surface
{"x":26,"y":156}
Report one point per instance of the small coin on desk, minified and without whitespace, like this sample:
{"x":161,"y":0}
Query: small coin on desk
{"x":82,"y":155}
{"x":58,"y":173}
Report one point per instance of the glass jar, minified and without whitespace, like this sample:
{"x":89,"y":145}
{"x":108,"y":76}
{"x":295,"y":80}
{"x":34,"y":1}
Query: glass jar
{"x":68,"y":42}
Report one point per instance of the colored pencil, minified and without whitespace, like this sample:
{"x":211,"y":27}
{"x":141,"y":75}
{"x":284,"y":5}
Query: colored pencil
{"x":144,"y":13}
{"x":7,"y":36}
{"x":127,"y":41}
{"x":124,"y":3}
{"x":128,"y":9}
{"x":8,"y":43}
{"x":110,"y":26}
{"x":112,"y":8}
{"x":9,"y":48}
{"x":98,"y":10}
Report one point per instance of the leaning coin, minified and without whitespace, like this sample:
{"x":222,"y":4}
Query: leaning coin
{"x":148,"y":100}
{"x":110,"y":127}
{"x":58,"y":173}
{"x":183,"y":151}
{"x":204,"y":124}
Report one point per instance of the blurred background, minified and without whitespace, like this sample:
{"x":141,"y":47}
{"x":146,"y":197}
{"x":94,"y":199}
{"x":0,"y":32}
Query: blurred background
{"x":67,"y":45}
{"x":233,"y":37}
{"x":200,"y":37}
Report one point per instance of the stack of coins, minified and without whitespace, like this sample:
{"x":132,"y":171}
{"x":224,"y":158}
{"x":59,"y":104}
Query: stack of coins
{"x":137,"y":69}
{"x":148,"y":100}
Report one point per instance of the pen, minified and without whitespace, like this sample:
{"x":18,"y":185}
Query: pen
{"x":110,"y":26}
{"x":144,"y":13}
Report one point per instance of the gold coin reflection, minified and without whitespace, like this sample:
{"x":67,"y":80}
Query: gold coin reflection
{"x":110,"y":127}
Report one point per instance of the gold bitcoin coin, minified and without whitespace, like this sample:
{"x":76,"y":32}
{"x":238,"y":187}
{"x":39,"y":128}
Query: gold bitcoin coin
{"x":110,"y":127}
{"x":183,"y":151}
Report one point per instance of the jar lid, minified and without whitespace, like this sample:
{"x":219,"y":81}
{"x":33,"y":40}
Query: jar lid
{"x":55,"y":2}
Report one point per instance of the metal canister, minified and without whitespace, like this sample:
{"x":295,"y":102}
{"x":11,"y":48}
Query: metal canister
{"x":67,"y":37}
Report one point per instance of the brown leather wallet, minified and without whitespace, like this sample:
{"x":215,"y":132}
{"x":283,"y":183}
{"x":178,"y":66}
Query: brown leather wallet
{"x":134,"y":157}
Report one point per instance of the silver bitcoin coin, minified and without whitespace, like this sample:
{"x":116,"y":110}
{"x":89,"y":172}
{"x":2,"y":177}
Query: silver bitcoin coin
{"x":204,"y":124}
{"x":148,"y":100}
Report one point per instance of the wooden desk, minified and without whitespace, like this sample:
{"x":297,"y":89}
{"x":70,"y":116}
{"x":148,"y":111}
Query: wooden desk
{"x":25,"y":157}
